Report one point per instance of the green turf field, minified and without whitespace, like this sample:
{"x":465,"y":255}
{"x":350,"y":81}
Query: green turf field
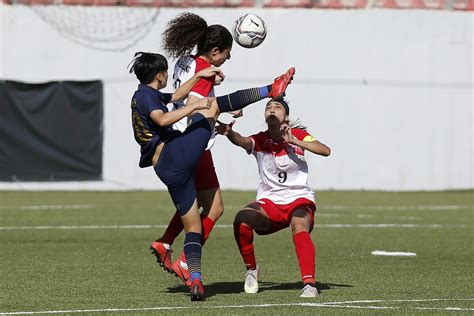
{"x":86,"y":252}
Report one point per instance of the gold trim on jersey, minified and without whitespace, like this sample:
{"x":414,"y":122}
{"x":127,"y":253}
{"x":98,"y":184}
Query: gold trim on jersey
{"x":142,"y":134}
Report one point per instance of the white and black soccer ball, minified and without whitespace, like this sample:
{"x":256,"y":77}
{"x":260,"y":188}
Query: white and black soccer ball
{"x":249,"y":31}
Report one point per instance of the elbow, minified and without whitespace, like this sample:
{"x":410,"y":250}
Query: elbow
{"x":326,"y":152}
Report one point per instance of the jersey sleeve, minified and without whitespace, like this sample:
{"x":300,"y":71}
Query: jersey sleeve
{"x":204,"y":86}
{"x":302,"y":135}
{"x":258,"y":141}
{"x":151,"y":104}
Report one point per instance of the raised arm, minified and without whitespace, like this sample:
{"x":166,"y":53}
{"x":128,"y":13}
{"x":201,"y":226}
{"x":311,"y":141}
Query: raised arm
{"x":234,"y":137}
{"x":311,"y":145}
{"x":183,"y":91}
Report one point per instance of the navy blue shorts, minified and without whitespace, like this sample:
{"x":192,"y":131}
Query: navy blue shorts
{"x":178,"y":160}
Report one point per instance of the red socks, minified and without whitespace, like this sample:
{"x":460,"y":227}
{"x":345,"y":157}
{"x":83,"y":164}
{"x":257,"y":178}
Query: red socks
{"x":306,"y":256}
{"x":244,"y":238}
{"x":173,"y":230}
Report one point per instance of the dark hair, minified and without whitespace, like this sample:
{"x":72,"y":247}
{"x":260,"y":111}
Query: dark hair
{"x":147,"y":65}
{"x":189,"y":30}
{"x":293,"y":124}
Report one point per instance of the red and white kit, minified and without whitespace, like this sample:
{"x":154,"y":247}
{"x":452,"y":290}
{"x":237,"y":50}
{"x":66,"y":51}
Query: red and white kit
{"x":184,"y":69}
{"x":282,"y":168}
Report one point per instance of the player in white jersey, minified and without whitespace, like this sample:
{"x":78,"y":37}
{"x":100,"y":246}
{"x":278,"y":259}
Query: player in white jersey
{"x":213,"y":45}
{"x":284,"y":198}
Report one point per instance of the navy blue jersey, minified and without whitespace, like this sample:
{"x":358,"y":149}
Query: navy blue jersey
{"x":147,"y":133}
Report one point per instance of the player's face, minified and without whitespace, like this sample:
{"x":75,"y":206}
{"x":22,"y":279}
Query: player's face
{"x":219,"y":57}
{"x":275,"y":113}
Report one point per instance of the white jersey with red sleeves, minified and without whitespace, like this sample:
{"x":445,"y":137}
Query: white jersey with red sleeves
{"x":184,"y":69}
{"x":282,"y":167}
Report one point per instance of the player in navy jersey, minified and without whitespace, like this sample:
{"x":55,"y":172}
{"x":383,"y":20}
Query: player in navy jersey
{"x":213,"y":45}
{"x":174,"y":154}
{"x":284,"y":198}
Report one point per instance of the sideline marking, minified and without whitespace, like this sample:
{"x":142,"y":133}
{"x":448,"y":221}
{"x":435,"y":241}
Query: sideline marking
{"x":393,"y":253}
{"x":47,"y":207}
{"x":72,"y":227}
{"x":342,"y":304}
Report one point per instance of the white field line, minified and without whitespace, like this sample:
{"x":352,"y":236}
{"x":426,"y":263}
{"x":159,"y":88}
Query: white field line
{"x":46,"y":207}
{"x":328,"y":207}
{"x":323,"y":304}
{"x":395,"y":207}
{"x":73,"y":227}
{"x":393,"y":253}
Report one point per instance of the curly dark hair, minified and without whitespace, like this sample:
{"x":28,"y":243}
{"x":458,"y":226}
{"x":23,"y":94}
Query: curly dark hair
{"x":189,"y":30}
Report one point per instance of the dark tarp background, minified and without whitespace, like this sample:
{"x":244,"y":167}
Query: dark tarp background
{"x":51,"y":131}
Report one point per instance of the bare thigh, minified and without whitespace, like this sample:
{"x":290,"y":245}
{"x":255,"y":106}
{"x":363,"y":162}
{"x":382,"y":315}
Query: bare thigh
{"x":254,"y":217}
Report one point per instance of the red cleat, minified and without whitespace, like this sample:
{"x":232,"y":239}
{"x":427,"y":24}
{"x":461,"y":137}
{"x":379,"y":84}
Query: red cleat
{"x":281,"y":83}
{"x":197,"y":291}
{"x":180,"y":269}
{"x":162,"y":254}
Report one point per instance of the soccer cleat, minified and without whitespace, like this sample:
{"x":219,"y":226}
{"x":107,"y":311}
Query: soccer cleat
{"x":309,"y":291}
{"x":197,"y":291}
{"x":180,"y":269}
{"x":162,"y":252}
{"x":280,"y":84}
{"x":251,"y":281}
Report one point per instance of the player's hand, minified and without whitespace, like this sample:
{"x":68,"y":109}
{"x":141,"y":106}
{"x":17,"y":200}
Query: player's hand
{"x":237,"y":114}
{"x":211,"y":71}
{"x":286,"y":133}
{"x":223,"y":128}
{"x":218,"y":80}
{"x":203,"y":104}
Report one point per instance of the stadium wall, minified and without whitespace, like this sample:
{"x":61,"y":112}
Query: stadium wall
{"x":390,"y":91}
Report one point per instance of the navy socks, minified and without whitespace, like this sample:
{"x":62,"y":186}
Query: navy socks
{"x":193,"y":252}
{"x":240,"y":99}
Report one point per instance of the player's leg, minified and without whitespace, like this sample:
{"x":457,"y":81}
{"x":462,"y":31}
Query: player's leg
{"x":161,"y":247}
{"x":193,"y":250}
{"x":301,"y":223}
{"x":209,"y":198}
{"x":241,"y":98}
{"x":251,"y":218}
{"x":175,"y":168}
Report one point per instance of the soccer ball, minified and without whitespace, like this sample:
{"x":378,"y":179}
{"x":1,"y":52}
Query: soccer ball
{"x":249,"y":31}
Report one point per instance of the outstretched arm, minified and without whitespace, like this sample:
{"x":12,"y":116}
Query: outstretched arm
{"x":234,"y":137}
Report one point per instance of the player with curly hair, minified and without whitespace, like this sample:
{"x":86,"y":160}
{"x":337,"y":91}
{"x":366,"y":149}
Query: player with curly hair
{"x":213,"y":44}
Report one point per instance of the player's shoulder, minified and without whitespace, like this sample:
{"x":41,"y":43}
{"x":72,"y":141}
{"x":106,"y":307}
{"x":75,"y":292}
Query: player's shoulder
{"x":299,"y":133}
{"x":201,"y":63}
{"x":260,"y":139}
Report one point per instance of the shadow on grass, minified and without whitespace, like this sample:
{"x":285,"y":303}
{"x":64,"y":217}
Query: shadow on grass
{"x":238,"y":287}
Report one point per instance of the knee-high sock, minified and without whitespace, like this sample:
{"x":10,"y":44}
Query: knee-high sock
{"x":306,"y":256}
{"x":207,"y":225}
{"x":193,"y":252}
{"x":244,"y":238}
{"x":241,"y":98}
{"x":173,"y":230}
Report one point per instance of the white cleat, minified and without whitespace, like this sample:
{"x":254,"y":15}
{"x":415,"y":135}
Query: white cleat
{"x":251,"y":281}
{"x":309,"y":291}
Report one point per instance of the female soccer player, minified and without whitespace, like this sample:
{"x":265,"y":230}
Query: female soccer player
{"x":284,"y":198}
{"x":174,"y":154}
{"x":213,"y":46}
